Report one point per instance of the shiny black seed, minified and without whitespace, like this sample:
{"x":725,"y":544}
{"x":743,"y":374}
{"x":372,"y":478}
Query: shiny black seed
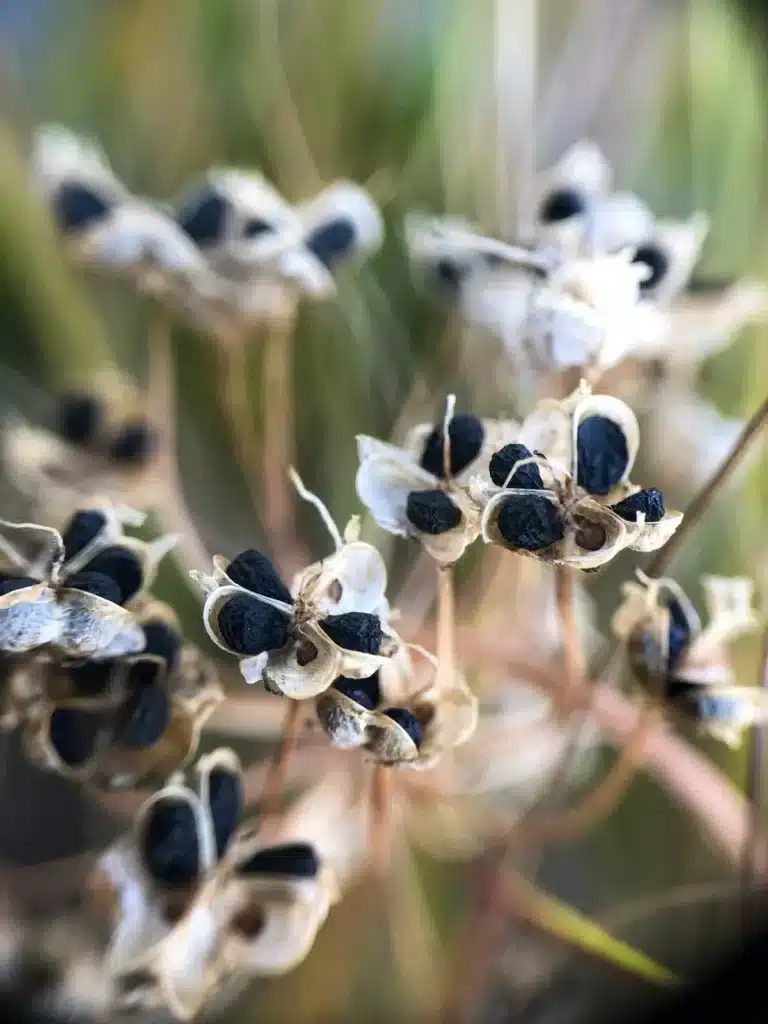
{"x":602,"y":454}
{"x":91,"y":679}
{"x":75,"y":206}
{"x":656,"y":259}
{"x":407,"y":721}
{"x":679,"y":634}
{"x":432,"y":512}
{"x":297,"y":860}
{"x":10,"y":583}
{"x":449,"y":274}
{"x":133,"y":443}
{"x":530,"y":522}
{"x":255,"y":226}
{"x":466,"y":435}
{"x":649,"y":501}
{"x":96,"y":583}
{"x":121,"y":565}
{"x":204,"y":217}
{"x":561,"y":204}
{"x":365,"y":692}
{"x":79,"y":417}
{"x":170,"y":847}
{"x":74,"y":734}
{"x":249,"y":626}
{"x":81,"y":529}
{"x":354,"y":631}
{"x":503,"y":461}
{"x":162,"y":640}
{"x":254,"y":571}
{"x":226,"y":801}
{"x":333,"y":241}
{"x":146,"y":712}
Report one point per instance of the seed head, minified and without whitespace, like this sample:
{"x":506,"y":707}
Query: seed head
{"x":92,"y":678}
{"x":298,"y":860}
{"x":649,"y":501}
{"x":169,"y":844}
{"x":365,"y":692}
{"x":432,"y":512}
{"x":133,"y":443}
{"x":602,"y":454}
{"x":162,"y":640}
{"x":354,"y":631}
{"x":530,"y":522}
{"x":250,"y":627}
{"x":466,"y":434}
{"x":81,"y":529}
{"x":204,"y":217}
{"x":254,"y":571}
{"x":146,"y":713}
{"x":407,"y":721}
{"x":501,"y":466}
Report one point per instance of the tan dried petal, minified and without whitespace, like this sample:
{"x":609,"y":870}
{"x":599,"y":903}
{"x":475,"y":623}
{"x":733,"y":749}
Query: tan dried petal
{"x":308,"y":665}
{"x":29,"y":618}
{"x":353,"y":579}
{"x":385,"y":478}
{"x":88,"y":623}
{"x":652,"y":536}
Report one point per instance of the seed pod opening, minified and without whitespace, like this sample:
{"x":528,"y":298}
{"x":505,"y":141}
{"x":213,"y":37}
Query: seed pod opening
{"x":145,"y":714}
{"x":203,"y":217}
{"x":248,"y":626}
{"x":530,"y":522}
{"x":432,"y":512}
{"x":11,"y":583}
{"x":76,"y":207}
{"x":365,"y":692}
{"x":332,"y":241}
{"x":225,"y":801}
{"x":79,"y":417}
{"x":169,"y":842}
{"x":74,"y":734}
{"x":408,"y":721}
{"x":133,"y":443}
{"x":466,"y":434}
{"x":649,"y":501}
{"x":84,"y":526}
{"x":653,"y":256}
{"x":163,"y":640}
{"x":562,"y":204}
{"x":122,"y":566}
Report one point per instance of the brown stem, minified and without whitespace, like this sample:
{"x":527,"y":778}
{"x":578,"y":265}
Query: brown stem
{"x":753,"y":789}
{"x":381,"y":819}
{"x":236,"y":401}
{"x":274,"y":784}
{"x":446,"y":620}
{"x":573,"y":653}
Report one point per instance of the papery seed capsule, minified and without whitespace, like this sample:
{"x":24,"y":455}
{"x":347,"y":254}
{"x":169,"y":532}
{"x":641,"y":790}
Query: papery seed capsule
{"x":649,"y":501}
{"x":656,"y":259}
{"x":226,"y":802}
{"x":11,"y":583}
{"x":204,"y":216}
{"x":407,"y":721}
{"x":121,"y":565}
{"x":354,"y":631}
{"x":84,"y":526}
{"x":74,"y":734}
{"x":169,"y":845}
{"x":466,"y":434}
{"x":502,"y":463}
{"x":562,"y":204}
{"x":589,"y":535}
{"x":133,"y":443}
{"x":365,"y":692}
{"x":332,"y":241}
{"x":96,"y":583}
{"x":530,"y":522}
{"x":162,"y":640}
{"x":297,"y":860}
{"x":79,"y":417}
{"x":248,"y":626}
{"x":432,"y":512}
{"x":76,"y":207}
{"x":254,"y":571}
{"x":601,"y":453}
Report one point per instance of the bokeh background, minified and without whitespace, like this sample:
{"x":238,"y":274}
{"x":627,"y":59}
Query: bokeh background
{"x":439,"y":105}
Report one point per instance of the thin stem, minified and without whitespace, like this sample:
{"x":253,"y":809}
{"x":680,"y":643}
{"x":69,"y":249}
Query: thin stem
{"x":279,"y":441}
{"x":274,"y":785}
{"x":753,"y":791}
{"x":236,"y":401}
{"x":446,"y":629}
{"x":381,"y":819}
{"x":700,"y":504}
{"x":573,"y":653}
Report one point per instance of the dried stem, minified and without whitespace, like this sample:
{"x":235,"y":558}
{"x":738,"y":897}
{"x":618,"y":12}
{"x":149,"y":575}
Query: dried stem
{"x":381,"y":819}
{"x":274,"y":785}
{"x":446,"y":629}
{"x":573,"y":654}
{"x":753,"y":789}
{"x":236,"y":401}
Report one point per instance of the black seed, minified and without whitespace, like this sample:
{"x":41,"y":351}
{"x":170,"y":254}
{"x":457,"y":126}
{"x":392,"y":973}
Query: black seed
{"x":297,"y":860}
{"x":656,"y":259}
{"x":432,"y":512}
{"x":204,"y":216}
{"x":679,"y":634}
{"x":162,"y":640}
{"x":96,"y":583}
{"x":121,"y":565}
{"x":562,"y":204}
{"x":144,"y":715}
{"x":601,"y":449}
{"x":407,"y":721}
{"x":249,"y":626}
{"x":79,"y":417}
{"x":255,"y":226}
{"x":11,"y":583}
{"x":74,"y":734}
{"x":254,"y":571}
{"x":365,"y":692}
{"x":354,"y":631}
{"x":133,"y":443}
{"x":75,"y":206}
{"x":226,"y":801}
{"x":81,"y":529}
{"x":530,"y":522}
{"x":501,"y":466}
{"x":649,"y":501}
{"x":466,"y":435}
{"x":170,"y":847}
{"x":92,"y":678}
{"x":333,"y":241}
{"x":679,"y":690}
{"x":449,"y":274}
